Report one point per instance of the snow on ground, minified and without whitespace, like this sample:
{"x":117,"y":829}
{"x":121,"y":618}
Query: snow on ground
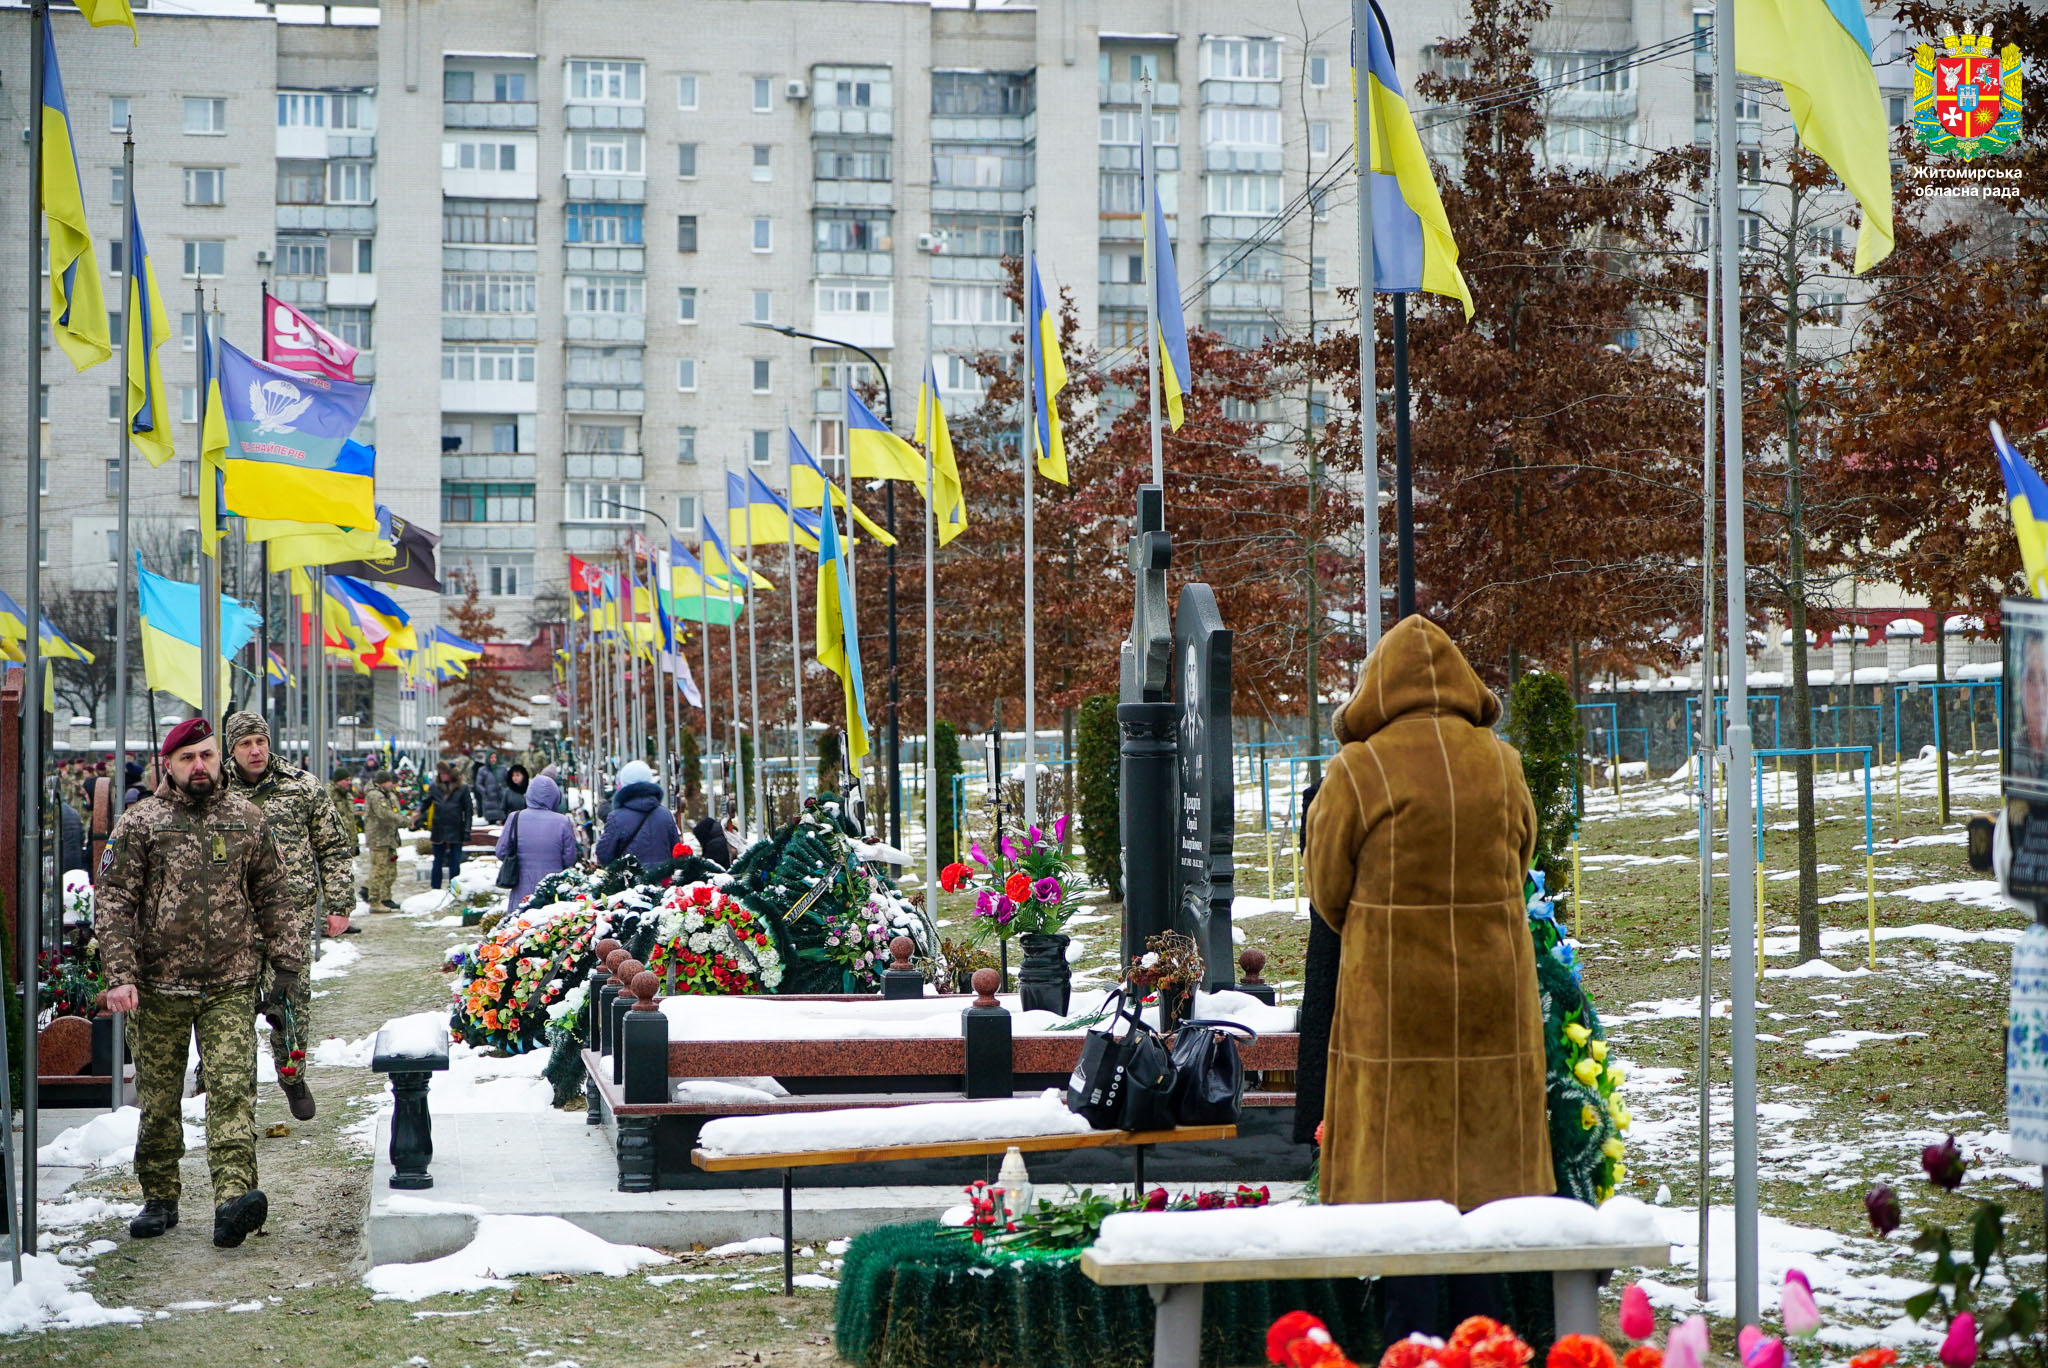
{"x":335,"y":958}
{"x":921,"y":1123}
{"x":1842,"y":1042}
{"x":505,"y":1247}
{"x":49,"y":1298}
{"x":106,"y":1141}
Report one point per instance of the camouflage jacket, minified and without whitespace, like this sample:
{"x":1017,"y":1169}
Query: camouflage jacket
{"x":311,"y":840}
{"x":189,"y":893}
{"x":381,"y":819}
{"x":345,"y":813}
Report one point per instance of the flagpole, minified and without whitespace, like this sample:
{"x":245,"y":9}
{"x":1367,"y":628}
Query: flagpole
{"x":1150,"y":191}
{"x":1368,"y":376}
{"x":1704,"y":746}
{"x":1029,"y":448}
{"x":1741,"y":818}
{"x":754,"y":688}
{"x":931,"y":688}
{"x":575,"y":717}
{"x":123,"y":569}
{"x":852,"y":579}
{"x":704,"y":689}
{"x":1404,"y":471}
{"x":658,"y":647}
{"x":316,"y":721}
{"x":209,"y":558}
{"x":796,"y":650}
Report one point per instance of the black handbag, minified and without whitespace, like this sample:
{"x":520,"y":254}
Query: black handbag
{"x":1148,"y":1082}
{"x":1095,"y":1092}
{"x":508,"y":868}
{"x":1208,"y":1078}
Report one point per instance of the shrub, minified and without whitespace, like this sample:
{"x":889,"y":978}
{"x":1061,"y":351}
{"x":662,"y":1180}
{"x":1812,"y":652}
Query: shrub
{"x":1097,"y":746}
{"x":945,"y":764}
{"x":1543,"y":723}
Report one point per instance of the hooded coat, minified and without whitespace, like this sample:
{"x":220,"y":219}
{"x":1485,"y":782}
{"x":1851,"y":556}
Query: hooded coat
{"x":545,"y":839}
{"x":1417,"y":847}
{"x":638,"y":825}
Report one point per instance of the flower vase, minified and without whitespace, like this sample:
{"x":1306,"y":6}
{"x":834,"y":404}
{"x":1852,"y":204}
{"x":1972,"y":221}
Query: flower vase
{"x":1045,"y":982}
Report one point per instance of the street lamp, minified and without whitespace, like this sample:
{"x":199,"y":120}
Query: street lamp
{"x":888,"y":517}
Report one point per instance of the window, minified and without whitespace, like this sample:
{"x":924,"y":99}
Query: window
{"x":999,"y":93}
{"x":486,"y":502}
{"x":205,"y":257}
{"x":762,"y":374}
{"x":686,"y":232}
{"x":763,"y":302}
{"x":188,"y":404}
{"x":302,"y":109}
{"x":1121,"y":267}
{"x":686,"y":374}
{"x":1318,"y":70}
{"x":686,"y":454}
{"x":1240,"y":59}
{"x":856,"y":159}
{"x":1895,"y":109}
{"x":351,"y":325}
{"x":1319,"y":204}
{"x":763,"y":95}
{"x":117,"y":113}
{"x":852,"y":296}
{"x":757,"y":446}
{"x":301,"y":182}
{"x":352,"y":256}
{"x":471,"y":156}
{"x":351,"y":182}
{"x":1749,"y":166}
{"x":505,"y":223}
{"x":844,"y":231}
{"x":605,"y":154}
{"x":496,"y":574}
{"x":686,"y":509}
{"x":1319,"y":139}
{"x":1824,"y":308}
{"x":604,"y":82}
{"x":1236,"y":193}
{"x":957,"y":374}
{"x":188,"y":479}
{"x":601,"y":501}
{"x":603,"y":223}
{"x":113,"y":476}
{"x":979,"y":166}
{"x":1119,"y":127}
{"x":43,"y":402}
{"x":1232,"y":127}
{"x":115,"y":394}
{"x":601,"y":437}
{"x":610,"y":294}
{"x":1319,"y":273}
{"x":1749,"y":104}
{"x":605,"y":366}
{"x":764,"y":234}
{"x":301,"y":256}
{"x":686,"y":92}
{"x":1611,"y":73}
{"x":686,"y":160}
{"x":117,"y":262}
{"x":459,"y":86}
{"x":508,"y":87}
{"x":496,"y":364}
{"x":205,"y":185}
{"x":972,"y":304}
{"x":850,"y":87}
{"x":686,"y":304}
{"x":764,"y":163}
{"x":980,"y":235}
{"x":1750,"y":231}
{"x":204,"y":115}
{"x":1595,"y":141}
{"x":117,"y":186}
{"x":486,"y":292}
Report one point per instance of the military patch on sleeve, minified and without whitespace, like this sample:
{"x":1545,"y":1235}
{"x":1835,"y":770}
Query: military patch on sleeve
{"x":107,"y":855}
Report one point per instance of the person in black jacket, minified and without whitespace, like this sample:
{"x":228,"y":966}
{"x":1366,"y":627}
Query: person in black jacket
{"x":711,"y":842}
{"x":70,"y":839}
{"x":448,"y":813}
{"x":638,"y":824}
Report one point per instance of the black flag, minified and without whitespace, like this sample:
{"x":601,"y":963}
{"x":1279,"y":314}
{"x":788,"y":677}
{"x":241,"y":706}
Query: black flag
{"x":413,"y":567}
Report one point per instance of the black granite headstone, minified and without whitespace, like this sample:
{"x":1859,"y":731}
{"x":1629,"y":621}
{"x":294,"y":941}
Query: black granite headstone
{"x":1205,"y":873}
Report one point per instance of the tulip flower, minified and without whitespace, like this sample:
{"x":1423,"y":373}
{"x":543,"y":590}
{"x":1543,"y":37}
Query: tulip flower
{"x":1587,"y":1072}
{"x":1686,"y":1345}
{"x":1577,"y":1034}
{"x":1059,"y":829}
{"x":1598,"y":1049}
{"x":1875,"y":1358}
{"x":1615,"y":1076}
{"x":1033,"y":839}
{"x":1009,"y":847}
{"x":1747,"y":1339}
{"x":1614,"y":1149}
{"x":1881,"y":1204}
{"x":1588,"y":1117}
{"x":1638,"y":1321}
{"x":976,"y":854}
{"x":1796,"y":1307}
{"x":1944,"y":1164}
{"x":1765,"y":1353}
{"x":1959,"y":1350}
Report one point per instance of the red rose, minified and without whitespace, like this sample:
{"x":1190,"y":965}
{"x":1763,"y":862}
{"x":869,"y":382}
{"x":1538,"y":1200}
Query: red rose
{"x":1018,"y":886}
{"x":953,"y":876}
{"x":680,"y":849}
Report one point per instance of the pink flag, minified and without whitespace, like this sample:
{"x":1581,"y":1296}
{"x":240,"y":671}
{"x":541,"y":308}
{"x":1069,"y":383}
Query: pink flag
{"x":296,"y":342}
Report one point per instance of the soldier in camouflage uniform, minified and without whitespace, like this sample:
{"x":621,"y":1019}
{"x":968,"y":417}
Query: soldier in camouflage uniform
{"x":317,"y":855}
{"x":191,"y":898}
{"x":380,"y":834}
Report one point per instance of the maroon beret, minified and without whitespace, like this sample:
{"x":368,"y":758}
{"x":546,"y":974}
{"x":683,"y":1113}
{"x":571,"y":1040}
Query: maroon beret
{"x":189,"y":732}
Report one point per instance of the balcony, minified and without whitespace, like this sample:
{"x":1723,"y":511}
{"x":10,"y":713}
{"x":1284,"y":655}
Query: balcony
{"x":871,"y":123}
{"x":359,"y":291}
{"x":604,"y":465}
{"x":605,"y":116}
{"x":490,"y":114}
{"x":1255,"y":94}
{"x":490,"y":396}
{"x":853,"y":263}
{"x":1124,"y":157}
{"x":306,"y":291}
{"x":604,"y":399}
{"x":489,"y":327}
{"x":488,"y":536}
{"x":616,"y":189}
{"x":1264,"y":160}
{"x":360,"y":146}
{"x":604,"y":327}
{"x":630,"y":260}
{"x":874,"y":329}
{"x":844,"y":193}
{"x":1591,"y":104}
{"x":1129,"y":93}
{"x":360,"y":218}
{"x":945,"y":198}
{"x":984,"y":128}
{"x":490,"y":465}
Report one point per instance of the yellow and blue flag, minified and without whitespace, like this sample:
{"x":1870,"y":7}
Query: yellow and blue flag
{"x":213,"y":445}
{"x":170,"y":634}
{"x":721,"y":564}
{"x":839,"y":640}
{"x":101,"y":14}
{"x":807,"y":486}
{"x":756,"y":514}
{"x":78,"y":311}
{"x":294,"y":545}
{"x":1175,"y":372}
{"x":277,"y":672}
{"x":876,"y":452}
{"x":1412,"y":245}
{"x":288,"y":453}
{"x":2026,"y":497}
{"x":149,"y":416}
{"x":693,"y":596}
{"x":385,"y":626}
{"x":1048,"y":378}
{"x":949,"y":502}
{"x":1819,"y":50}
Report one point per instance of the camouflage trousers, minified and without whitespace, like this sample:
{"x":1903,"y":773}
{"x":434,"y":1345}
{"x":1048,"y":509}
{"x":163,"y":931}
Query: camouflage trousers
{"x":383,"y":871}
{"x":160,"y":1032}
{"x":300,"y":1018}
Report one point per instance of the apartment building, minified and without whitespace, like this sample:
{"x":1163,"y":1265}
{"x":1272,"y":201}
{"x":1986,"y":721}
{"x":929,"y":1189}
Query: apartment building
{"x":562,"y":233}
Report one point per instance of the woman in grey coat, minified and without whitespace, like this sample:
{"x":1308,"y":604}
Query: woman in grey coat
{"x":543,"y":837}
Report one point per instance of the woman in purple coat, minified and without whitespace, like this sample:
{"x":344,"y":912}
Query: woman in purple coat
{"x":543,"y":836}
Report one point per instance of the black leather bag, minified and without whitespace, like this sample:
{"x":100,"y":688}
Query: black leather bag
{"x":1208,"y":1079}
{"x":508,"y":868}
{"x":1148,"y":1082}
{"x":1096,"y":1090}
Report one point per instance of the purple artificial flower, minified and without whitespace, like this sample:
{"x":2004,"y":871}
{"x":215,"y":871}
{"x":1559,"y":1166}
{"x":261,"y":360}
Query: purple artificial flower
{"x":1005,"y":910}
{"x":1059,"y":829}
{"x":1033,"y":839}
{"x":1046,"y":890}
{"x":974,"y":853}
{"x":1009,"y":848}
{"x":985,"y":904}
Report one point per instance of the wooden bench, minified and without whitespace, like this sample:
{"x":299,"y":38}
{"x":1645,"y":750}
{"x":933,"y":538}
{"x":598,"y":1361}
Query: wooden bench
{"x":789,"y":1161}
{"x":1175,"y":1282}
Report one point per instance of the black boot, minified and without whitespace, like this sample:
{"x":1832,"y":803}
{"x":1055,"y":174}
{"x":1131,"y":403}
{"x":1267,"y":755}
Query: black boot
{"x":239,"y":1217}
{"x":154,"y":1219}
{"x":301,"y":1097}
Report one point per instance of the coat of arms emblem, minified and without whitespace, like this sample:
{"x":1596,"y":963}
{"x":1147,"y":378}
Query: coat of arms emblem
{"x":1966,"y":99}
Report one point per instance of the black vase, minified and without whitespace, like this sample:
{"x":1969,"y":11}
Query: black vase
{"x":1044,"y":981}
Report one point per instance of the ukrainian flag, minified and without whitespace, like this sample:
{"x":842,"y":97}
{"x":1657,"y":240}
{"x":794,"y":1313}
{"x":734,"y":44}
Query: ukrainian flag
{"x":78,"y":311}
{"x":294,"y":545}
{"x":170,"y":634}
{"x":807,"y":486}
{"x":1175,"y":373}
{"x":287,"y":452}
{"x":876,"y":452}
{"x":756,"y":514}
{"x":213,"y":445}
{"x":719,"y":562}
{"x":839,"y":641}
{"x":692,"y":597}
{"x":278,"y":673}
{"x":1048,"y":378}
{"x":384,"y":625}
{"x":149,"y":417}
{"x":949,"y":503}
{"x":101,"y":13}
{"x":2027,"y":498}
{"x":1412,"y":246}
{"x":1819,"y":50}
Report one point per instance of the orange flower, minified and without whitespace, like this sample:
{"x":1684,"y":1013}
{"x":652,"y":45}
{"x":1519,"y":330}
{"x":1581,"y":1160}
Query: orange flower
{"x":1473,"y":1329}
{"x":1411,"y":1353}
{"x":1643,"y":1356}
{"x":491,"y":1020}
{"x":1580,"y":1351}
{"x":1875,"y":1358}
{"x":1501,"y":1350}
